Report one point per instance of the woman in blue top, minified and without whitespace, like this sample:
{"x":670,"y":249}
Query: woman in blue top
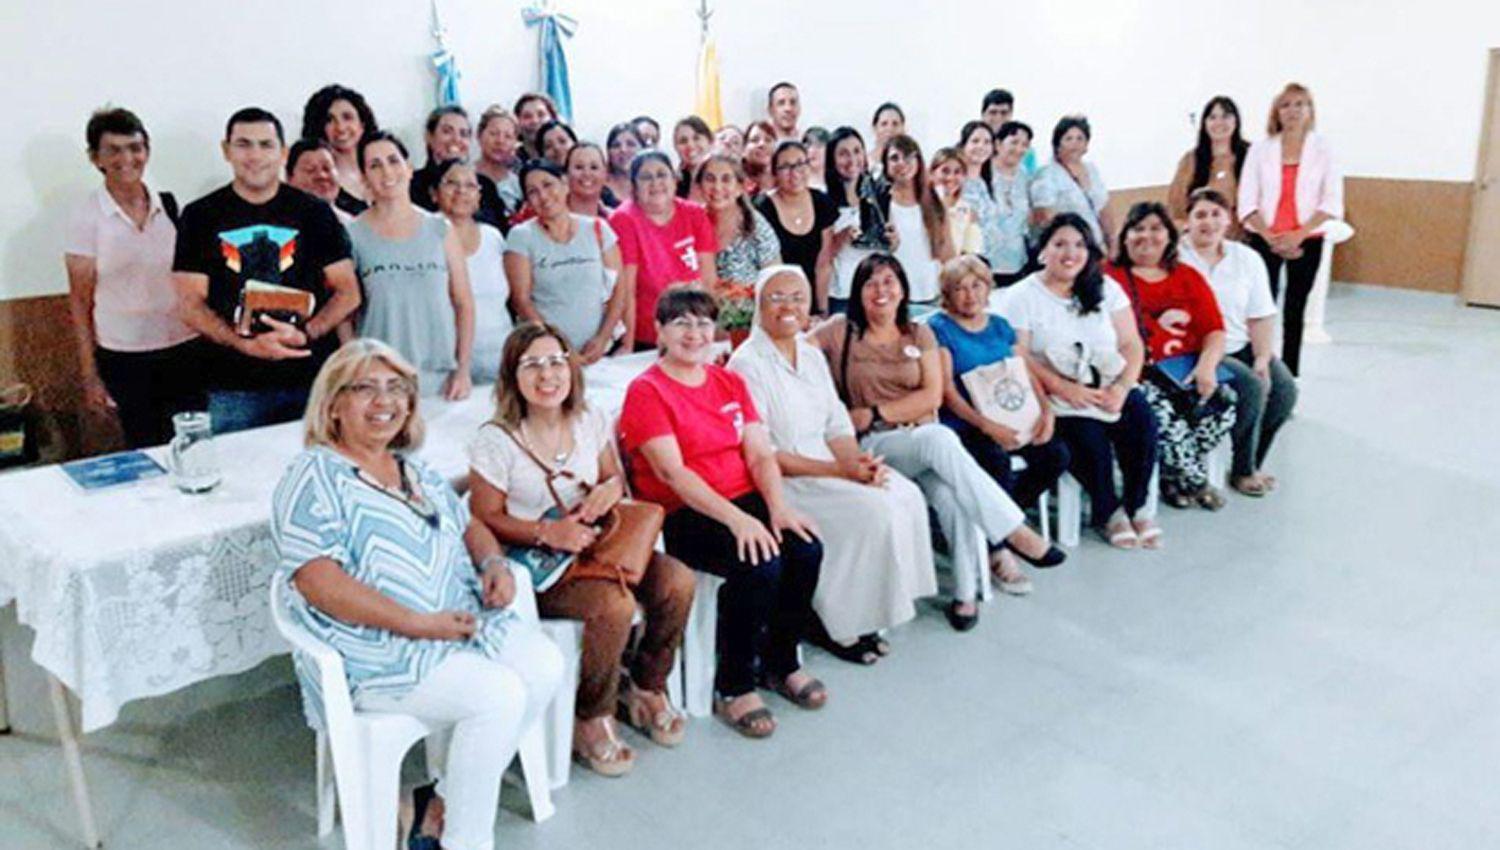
{"x":385,"y":565}
{"x":969,"y":337}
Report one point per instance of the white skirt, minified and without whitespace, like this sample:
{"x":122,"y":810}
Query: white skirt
{"x":877,"y":551}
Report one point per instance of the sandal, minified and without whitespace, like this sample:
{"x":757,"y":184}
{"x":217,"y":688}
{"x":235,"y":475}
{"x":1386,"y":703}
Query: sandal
{"x":1176,"y":498}
{"x":1209,"y":499}
{"x":812,"y":696}
{"x":607,"y":757}
{"x":1119,"y":533}
{"x":1147,"y":532}
{"x":1255,"y":486}
{"x":747,"y":724}
{"x":874,"y":641}
{"x":1014,"y":583}
{"x":665,"y":728}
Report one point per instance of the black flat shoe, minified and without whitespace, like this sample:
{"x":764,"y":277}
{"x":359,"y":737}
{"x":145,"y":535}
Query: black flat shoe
{"x":421,"y":797}
{"x":961,"y":622}
{"x":1052,"y":558}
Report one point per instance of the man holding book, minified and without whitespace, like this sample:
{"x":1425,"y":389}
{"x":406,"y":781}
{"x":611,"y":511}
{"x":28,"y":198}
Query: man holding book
{"x":263,"y":271}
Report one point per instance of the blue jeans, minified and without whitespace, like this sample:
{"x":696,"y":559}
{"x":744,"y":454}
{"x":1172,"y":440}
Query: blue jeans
{"x":1262,"y":409}
{"x":240,"y":410}
{"x":1094,"y":446}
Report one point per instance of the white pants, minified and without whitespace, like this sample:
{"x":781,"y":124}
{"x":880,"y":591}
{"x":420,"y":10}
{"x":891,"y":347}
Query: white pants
{"x":971,"y":507}
{"x":489,"y":703}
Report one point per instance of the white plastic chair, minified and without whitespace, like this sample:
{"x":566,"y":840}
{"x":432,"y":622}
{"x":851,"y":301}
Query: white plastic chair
{"x":361,"y":752}
{"x":1070,"y":506}
{"x":558,"y":721}
{"x":691,"y":685}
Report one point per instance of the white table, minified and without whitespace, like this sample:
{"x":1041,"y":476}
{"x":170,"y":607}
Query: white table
{"x":142,"y":590}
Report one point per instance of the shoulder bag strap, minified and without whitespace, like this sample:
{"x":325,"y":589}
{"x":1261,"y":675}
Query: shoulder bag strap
{"x":546,"y":468}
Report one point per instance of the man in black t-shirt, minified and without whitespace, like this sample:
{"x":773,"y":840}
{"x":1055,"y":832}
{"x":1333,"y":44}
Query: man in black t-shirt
{"x":258,"y":229}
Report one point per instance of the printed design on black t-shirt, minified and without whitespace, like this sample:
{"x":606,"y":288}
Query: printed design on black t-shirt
{"x":262,"y":252}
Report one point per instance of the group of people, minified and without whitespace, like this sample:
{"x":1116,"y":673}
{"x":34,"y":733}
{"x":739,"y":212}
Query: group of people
{"x":912,"y":337}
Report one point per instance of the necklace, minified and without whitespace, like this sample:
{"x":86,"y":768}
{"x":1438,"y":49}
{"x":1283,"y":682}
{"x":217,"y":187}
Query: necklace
{"x":406,"y":494}
{"x":559,"y":457}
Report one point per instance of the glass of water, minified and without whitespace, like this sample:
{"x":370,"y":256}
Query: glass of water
{"x":195,"y":460}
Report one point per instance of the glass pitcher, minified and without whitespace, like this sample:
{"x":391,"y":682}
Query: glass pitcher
{"x":194,"y":460}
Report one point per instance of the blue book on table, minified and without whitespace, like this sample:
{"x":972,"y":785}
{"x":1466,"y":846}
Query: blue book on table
{"x":97,"y":473}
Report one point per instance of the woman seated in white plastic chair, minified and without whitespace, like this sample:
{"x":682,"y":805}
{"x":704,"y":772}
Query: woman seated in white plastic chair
{"x":381,"y":556}
{"x":1179,"y":321}
{"x":543,"y":445}
{"x":876,"y":542}
{"x":890,"y":375}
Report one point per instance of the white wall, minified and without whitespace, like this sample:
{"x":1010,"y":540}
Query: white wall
{"x":1399,"y":87}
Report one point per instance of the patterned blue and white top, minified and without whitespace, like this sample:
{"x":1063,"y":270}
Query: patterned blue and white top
{"x":323,"y":509}
{"x":1054,"y":188}
{"x":1003,"y":215}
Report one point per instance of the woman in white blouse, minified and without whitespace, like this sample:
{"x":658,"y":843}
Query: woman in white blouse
{"x":1289,"y":188}
{"x":458,"y":199}
{"x":1077,"y":331}
{"x":877,"y":554}
{"x":1265,"y":388}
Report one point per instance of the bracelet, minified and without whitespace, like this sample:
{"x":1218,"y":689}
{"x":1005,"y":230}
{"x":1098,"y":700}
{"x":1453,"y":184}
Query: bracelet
{"x":488,"y":560}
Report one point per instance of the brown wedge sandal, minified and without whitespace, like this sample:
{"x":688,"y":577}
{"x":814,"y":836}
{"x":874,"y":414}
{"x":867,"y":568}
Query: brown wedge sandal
{"x":666,"y":726}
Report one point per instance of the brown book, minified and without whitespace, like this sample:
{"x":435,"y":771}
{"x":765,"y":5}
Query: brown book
{"x":282,"y":303}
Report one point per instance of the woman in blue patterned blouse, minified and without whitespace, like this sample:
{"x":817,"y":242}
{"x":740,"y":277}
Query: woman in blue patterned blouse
{"x":381,"y":555}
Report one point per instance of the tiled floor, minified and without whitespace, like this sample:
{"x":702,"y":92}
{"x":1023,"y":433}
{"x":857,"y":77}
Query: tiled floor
{"x":1315,"y":670}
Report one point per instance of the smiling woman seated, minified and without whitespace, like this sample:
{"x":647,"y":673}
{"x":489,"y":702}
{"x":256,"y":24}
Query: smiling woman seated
{"x":387,"y":567}
{"x":876,"y":542}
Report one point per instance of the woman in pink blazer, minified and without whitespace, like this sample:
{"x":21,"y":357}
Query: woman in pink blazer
{"x":1288,"y":189}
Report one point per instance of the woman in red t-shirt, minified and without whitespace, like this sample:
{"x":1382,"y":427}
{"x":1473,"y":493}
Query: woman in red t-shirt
{"x":663,"y":240}
{"x":1184,"y":332}
{"x":696,"y":445}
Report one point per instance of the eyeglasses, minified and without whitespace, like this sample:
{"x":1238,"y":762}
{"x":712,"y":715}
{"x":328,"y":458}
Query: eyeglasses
{"x":787,"y":167}
{"x":460,"y":187}
{"x":545,"y":362}
{"x":654,"y":177}
{"x":692,"y":323}
{"x":779,"y":298}
{"x":368,"y":391}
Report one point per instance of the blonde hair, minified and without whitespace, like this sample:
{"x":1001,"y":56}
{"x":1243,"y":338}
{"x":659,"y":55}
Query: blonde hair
{"x":496,"y":112}
{"x":959,"y":269}
{"x":1273,"y":124}
{"x":353,"y":360}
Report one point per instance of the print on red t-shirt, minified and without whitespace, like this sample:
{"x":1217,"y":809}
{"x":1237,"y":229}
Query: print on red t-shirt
{"x":708,"y":422}
{"x":1175,"y":313}
{"x":662,"y":254}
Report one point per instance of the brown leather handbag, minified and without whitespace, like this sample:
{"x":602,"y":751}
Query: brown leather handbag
{"x":627,"y":531}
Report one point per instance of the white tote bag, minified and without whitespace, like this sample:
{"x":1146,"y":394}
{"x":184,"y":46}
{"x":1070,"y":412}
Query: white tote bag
{"x":1002,"y":392}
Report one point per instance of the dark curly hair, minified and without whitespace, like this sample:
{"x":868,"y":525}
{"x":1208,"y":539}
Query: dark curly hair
{"x":315,"y":113}
{"x":1088,"y":287}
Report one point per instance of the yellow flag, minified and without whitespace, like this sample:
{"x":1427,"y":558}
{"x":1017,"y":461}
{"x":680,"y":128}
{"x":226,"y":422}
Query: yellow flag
{"x":706,"y":104}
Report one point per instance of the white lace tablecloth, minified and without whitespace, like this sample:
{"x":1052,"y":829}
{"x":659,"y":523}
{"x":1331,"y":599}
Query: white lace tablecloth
{"x":143,"y":590}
